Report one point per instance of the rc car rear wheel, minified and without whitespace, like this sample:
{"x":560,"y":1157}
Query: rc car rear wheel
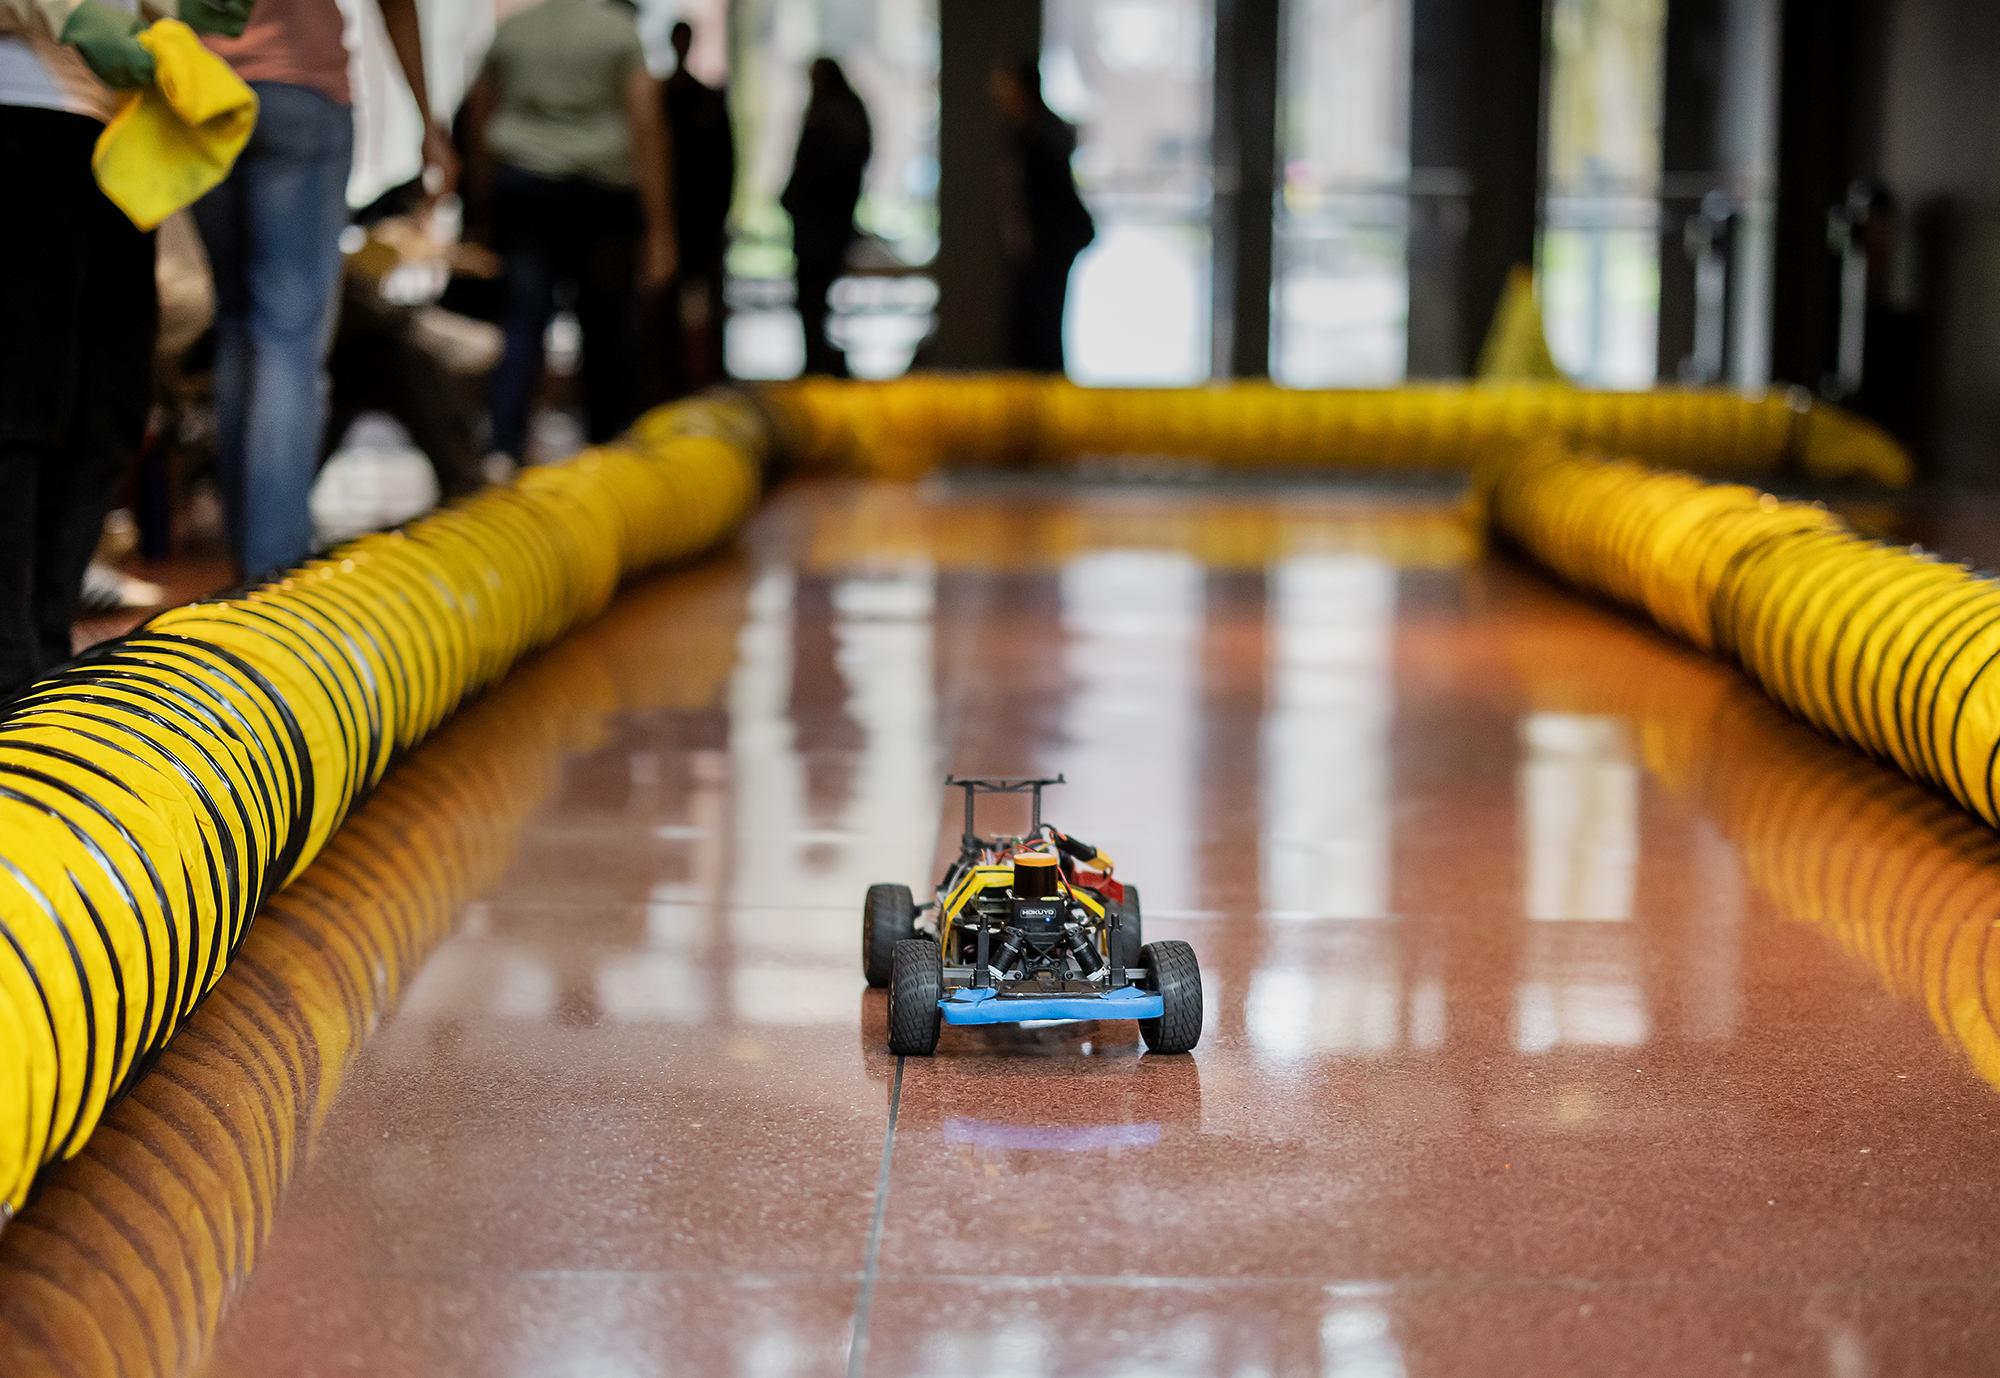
{"x":1127,"y":938}
{"x":888,"y":917}
{"x":915,"y":984}
{"x":1176,"y":977}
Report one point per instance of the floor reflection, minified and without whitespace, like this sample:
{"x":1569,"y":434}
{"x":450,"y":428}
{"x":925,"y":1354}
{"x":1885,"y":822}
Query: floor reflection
{"x":836,"y":782}
{"x":1579,"y":987}
{"x":972,"y":522}
{"x":1356,"y":1340}
{"x":1326,"y":822}
{"x":1017,"y":1327}
{"x":1580,"y":820}
{"x":1580,"y":810}
{"x":1131,"y":723}
{"x":833,"y":756}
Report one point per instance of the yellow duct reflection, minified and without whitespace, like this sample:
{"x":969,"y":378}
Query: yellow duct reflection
{"x":1902,"y":879}
{"x":894,"y":523}
{"x":135,"y":1247}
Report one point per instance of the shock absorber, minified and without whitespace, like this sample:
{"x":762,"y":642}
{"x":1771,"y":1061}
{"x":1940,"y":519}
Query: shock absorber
{"x":1008,"y":956}
{"x":1083,"y":950}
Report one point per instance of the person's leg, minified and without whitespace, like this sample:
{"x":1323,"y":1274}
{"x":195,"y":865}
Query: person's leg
{"x":1019,"y":343}
{"x":662,"y":343}
{"x":711,"y":333}
{"x":816,"y":277}
{"x":120,"y":316}
{"x":219,"y":217}
{"x":1051,"y":288}
{"x":294,"y":208}
{"x":1036,"y":290}
{"x":43,"y":258}
{"x":519,"y":203}
{"x":606,"y":309}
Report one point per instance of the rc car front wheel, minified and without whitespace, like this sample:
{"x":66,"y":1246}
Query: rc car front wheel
{"x":888,"y":917}
{"x":1176,"y":977}
{"x":916,"y":981}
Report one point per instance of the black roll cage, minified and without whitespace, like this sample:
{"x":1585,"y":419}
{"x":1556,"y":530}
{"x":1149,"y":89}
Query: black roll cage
{"x":969,"y":843}
{"x":970,"y":847}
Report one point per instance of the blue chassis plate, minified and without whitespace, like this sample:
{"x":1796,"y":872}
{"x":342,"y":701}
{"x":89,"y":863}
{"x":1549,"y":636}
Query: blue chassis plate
{"x":968,"y":1005}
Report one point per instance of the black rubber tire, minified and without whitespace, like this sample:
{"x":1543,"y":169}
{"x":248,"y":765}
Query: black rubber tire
{"x":888,"y":917}
{"x":916,"y":982}
{"x":1128,"y":937}
{"x":1176,"y":976}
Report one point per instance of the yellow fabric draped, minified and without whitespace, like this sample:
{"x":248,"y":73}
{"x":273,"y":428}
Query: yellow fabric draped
{"x":171,"y":143}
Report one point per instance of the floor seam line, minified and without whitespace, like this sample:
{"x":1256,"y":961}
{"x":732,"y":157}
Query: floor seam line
{"x":857,"y":1352}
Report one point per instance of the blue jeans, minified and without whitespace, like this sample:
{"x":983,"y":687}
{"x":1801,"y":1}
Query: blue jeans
{"x":273,"y":236}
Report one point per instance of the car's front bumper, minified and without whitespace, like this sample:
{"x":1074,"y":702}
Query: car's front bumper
{"x":969,"y":1005}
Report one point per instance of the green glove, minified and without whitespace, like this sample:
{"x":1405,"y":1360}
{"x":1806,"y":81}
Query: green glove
{"x":225,"y":17}
{"x":103,"y":39}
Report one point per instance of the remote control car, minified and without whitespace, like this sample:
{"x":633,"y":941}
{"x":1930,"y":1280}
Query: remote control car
{"x":1027,"y":928}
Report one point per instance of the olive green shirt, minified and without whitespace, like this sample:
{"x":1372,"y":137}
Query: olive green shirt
{"x":559,"y":73}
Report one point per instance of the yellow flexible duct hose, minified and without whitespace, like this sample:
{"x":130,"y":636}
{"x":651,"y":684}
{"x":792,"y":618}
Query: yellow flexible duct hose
{"x":905,"y":428}
{"x":1890,"y":649}
{"x":156,"y":794}
{"x":135,"y":1246}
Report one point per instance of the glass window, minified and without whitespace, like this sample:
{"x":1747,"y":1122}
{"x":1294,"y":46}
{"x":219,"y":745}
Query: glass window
{"x":889,"y":50}
{"x":1600,"y":254}
{"x":1135,"y":77}
{"x":1341,"y":299}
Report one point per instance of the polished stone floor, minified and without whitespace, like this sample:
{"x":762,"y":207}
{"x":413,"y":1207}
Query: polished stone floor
{"x":1570,"y":1010}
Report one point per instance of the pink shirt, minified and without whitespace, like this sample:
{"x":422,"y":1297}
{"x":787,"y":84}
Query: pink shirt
{"x":296,"y":41}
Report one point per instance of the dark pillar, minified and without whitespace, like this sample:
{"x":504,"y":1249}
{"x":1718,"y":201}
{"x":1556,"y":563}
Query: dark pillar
{"x":1816,"y":98}
{"x":972,"y":36}
{"x":1691,"y":160}
{"x":1475,"y":158}
{"x":1245,"y":155}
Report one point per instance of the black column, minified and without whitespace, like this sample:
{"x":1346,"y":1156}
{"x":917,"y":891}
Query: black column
{"x":1245,"y":158}
{"x":972,"y":36}
{"x":1816,"y":159}
{"x":1475,"y":159}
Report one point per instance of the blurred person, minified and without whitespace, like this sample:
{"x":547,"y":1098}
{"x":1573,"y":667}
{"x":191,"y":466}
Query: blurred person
{"x":835,"y":143}
{"x":272,"y":231}
{"x":78,"y":307}
{"x":383,"y":360}
{"x":572,"y":157}
{"x":1044,"y":224}
{"x":397,"y":350}
{"x":704,"y":181}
